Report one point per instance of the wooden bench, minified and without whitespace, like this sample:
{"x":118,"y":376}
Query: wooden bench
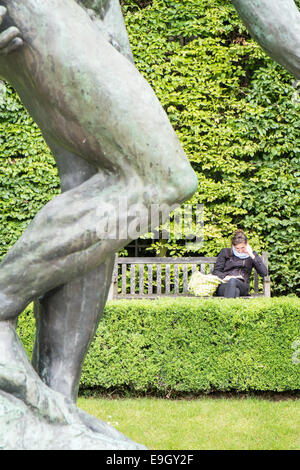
{"x":166,"y":277}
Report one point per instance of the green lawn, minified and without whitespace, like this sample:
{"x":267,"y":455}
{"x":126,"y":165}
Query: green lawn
{"x":206,"y":423}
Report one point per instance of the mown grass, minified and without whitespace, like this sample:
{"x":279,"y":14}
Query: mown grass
{"x":206,"y":423}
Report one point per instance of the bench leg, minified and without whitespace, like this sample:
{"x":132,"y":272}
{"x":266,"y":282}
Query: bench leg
{"x":267,"y":287}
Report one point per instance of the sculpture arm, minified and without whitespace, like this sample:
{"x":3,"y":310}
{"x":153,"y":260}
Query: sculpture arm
{"x":9,"y":38}
{"x":275,"y":24}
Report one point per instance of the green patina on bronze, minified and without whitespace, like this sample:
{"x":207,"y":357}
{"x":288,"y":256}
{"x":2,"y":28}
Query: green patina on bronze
{"x":275,"y":24}
{"x":72,"y":66}
{"x":106,"y":129}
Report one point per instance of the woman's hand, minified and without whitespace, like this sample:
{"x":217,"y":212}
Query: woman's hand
{"x":249,"y":251}
{"x":10,"y":38}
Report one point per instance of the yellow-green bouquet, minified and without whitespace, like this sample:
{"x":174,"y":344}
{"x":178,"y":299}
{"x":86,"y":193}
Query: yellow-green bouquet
{"x":203,"y":285}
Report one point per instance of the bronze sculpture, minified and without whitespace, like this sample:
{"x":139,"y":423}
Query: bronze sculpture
{"x":110,"y":137}
{"x":275,"y":24}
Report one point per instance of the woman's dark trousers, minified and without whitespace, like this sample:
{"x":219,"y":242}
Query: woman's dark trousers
{"x":232,"y":288}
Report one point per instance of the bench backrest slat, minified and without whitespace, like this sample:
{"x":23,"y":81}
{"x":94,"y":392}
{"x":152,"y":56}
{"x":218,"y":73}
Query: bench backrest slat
{"x":158,"y":289}
{"x":124,"y":266}
{"x":141,"y":278}
{"x":167,"y":286}
{"x":132,"y":279}
{"x":150,"y":278}
{"x":185,"y":279}
{"x":176,"y":278}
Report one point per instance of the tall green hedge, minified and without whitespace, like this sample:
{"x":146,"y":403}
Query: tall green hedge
{"x":180,"y":346}
{"x":234,"y":112}
{"x":28,"y":176}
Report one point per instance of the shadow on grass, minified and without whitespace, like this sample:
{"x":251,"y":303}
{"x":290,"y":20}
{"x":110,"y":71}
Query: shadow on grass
{"x":113,"y":394}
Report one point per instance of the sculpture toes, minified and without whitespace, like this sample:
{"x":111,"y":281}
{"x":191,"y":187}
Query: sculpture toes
{"x":114,"y":43}
{"x":16,"y":43}
{"x":91,"y":14}
{"x":10,"y":40}
{"x":3,"y":12}
{"x":98,"y":426}
{"x":102,"y":428}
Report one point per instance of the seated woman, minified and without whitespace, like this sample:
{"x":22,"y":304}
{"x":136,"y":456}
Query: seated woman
{"x":234,"y":265}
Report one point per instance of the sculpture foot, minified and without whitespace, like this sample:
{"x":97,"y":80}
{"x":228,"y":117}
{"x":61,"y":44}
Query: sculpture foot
{"x":34,"y":417}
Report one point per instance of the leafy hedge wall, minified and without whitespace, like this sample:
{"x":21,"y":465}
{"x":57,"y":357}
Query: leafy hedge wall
{"x":168,"y":346}
{"x":234,"y":112}
{"x":28,"y":176}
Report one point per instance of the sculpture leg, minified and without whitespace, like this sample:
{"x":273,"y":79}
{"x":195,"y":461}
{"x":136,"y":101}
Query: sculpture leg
{"x":66,"y":322}
{"x":65,"y":239}
{"x":68,"y":316}
{"x":63,"y":242}
{"x":34,"y":417}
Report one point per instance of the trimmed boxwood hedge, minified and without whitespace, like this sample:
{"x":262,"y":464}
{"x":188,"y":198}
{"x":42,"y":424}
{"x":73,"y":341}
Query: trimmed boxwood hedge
{"x":187,"y":345}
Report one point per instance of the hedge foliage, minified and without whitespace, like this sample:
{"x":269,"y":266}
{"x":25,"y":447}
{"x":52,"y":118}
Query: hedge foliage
{"x":234,"y":111}
{"x":180,"y":346}
{"x":28,"y":175}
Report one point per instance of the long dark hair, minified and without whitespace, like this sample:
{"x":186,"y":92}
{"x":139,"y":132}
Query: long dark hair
{"x":238,"y":237}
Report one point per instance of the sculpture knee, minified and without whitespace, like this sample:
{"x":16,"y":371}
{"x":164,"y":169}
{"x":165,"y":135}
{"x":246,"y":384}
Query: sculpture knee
{"x":180,"y":187}
{"x":187,"y":184}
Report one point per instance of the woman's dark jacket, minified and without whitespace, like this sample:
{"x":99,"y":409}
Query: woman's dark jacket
{"x":229,"y":264}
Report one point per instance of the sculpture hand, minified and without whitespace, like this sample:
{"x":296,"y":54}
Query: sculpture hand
{"x":10,"y":38}
{"x":110,"y":38}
